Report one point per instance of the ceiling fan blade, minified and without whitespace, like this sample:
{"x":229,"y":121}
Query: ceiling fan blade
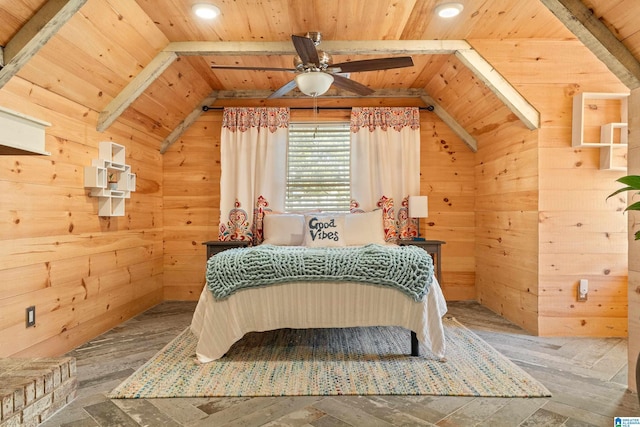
{"x":374,"y":64}
{"x":283,"y":90}
{"x":306,"y":50}
{"x":350,"y":85}
{"x":232,"y":67}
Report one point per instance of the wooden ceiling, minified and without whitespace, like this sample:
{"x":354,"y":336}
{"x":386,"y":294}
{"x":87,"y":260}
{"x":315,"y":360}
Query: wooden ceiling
{"x":128,"y":61}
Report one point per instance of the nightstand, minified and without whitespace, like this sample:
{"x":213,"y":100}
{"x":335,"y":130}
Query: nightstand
{"x":433,"y":248}
{"x":217,"y":246}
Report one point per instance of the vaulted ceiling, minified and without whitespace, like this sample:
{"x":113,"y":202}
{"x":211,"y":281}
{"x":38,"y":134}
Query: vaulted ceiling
{"x":147,"y":62}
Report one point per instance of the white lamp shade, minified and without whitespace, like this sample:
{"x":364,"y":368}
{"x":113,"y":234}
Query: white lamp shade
{"x":418,"y":206}
{"x":314,"y":83}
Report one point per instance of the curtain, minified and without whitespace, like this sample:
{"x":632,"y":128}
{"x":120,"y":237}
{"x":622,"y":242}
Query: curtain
{"x":385,"y":165}
{"x":253,"y":177}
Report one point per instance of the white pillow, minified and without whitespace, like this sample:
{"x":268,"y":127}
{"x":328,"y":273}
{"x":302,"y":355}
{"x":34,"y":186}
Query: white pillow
{"x":364,"y":228}
{"x":283,"y":229}
{"x":324,"y":230}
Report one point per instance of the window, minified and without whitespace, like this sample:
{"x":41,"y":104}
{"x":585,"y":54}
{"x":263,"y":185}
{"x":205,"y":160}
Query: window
{"x":318,"y":167}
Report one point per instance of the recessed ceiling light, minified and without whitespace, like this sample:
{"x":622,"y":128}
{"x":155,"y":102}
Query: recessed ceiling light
{"x":205,"y":10}
{"x":449,"y":10}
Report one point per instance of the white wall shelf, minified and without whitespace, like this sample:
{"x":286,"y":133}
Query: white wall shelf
{"x":592,"y":111}
{"x":110,"y":166}
{"x":21,"y":134}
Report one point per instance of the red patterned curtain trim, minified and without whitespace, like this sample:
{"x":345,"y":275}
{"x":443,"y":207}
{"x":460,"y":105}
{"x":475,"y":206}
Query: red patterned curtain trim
{"x":400,"y":227}
{"x":237,"y":226}
{"x":384,"y":118}
{"x":242,"y":119}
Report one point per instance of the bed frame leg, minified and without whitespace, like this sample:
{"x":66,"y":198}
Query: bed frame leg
{"x":415,"y":348}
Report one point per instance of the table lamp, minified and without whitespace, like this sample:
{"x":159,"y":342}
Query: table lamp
{"x":418,"y":208}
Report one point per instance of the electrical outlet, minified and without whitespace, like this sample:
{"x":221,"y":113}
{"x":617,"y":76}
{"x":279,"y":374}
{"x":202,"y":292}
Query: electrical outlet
{"x":583,"y":289}
{"x":31,"y":316}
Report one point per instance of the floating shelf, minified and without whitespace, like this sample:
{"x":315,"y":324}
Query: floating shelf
{"x":21,"y":134}
{"x":111,"y":195}
{"x":593,"y":110}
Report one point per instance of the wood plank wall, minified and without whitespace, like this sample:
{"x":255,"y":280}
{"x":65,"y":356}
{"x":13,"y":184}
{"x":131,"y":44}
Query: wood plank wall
{"x":84,"y":274}
{"x":577,"y":232}
{"x":634,"y":246}
{"x":191,"y":206}
{"x":506,"y":255}
{"x":192,"y":191}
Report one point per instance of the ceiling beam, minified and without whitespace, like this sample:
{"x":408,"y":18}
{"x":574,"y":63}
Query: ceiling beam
{"x":500,"y":87}
{"x":332,"y":93}
{"x":582,"y":22}
{"x":134,"y":89}
{"x":34,"y":35}
{"x":351,"y":47}
{"x":188,"y":121}
{"x":451,"y":122}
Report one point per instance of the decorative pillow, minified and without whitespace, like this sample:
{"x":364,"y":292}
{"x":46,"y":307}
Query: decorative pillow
{"x":283,"y":229}
{"x":324,"y":230}
{"x":364,"y":228}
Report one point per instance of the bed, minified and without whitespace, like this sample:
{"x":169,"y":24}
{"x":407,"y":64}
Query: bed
{"x":219,"y":321}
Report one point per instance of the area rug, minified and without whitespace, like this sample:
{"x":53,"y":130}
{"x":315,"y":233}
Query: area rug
{"x":347,"y":361}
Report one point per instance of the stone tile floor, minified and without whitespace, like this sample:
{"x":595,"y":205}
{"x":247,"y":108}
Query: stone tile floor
{"x":587,"y":377}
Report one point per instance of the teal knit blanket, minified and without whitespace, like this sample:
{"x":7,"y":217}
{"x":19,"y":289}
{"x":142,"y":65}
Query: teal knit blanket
{"x":406,"y":268}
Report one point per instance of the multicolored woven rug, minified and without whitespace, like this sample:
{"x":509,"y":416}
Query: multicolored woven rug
{"x":355,"y":361}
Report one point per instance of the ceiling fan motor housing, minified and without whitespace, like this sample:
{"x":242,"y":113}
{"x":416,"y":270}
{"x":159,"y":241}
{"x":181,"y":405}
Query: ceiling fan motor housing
{"x":325,"y":60}
{"x":315,"y":36}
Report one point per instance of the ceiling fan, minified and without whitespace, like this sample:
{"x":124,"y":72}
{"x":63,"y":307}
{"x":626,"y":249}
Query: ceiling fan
{"x":315,"y":72}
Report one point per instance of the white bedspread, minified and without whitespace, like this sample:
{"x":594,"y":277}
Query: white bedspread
{"x":219,"y":324}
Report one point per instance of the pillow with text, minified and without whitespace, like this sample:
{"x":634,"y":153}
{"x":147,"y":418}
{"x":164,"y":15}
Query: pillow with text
{"x":324,"y":230}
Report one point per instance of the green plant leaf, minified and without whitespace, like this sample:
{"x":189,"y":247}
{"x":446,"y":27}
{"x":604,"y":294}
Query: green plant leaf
{"x":620,"y":191}
{"x":638,"y":235}
{"x":633,"y":181}
{"x":633,"y":207}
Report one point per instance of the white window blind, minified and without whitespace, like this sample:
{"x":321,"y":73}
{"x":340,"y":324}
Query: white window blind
{"x":318,"y":167}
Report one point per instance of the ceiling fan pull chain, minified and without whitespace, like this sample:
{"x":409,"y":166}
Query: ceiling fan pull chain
{"x":315,"y":116}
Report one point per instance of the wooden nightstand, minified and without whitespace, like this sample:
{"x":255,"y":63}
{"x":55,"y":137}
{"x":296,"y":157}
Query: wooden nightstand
{"x":433,"y":247}
{"x":216,"y":246}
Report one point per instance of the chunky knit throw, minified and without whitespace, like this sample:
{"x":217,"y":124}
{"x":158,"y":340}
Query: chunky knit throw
{"x":407,"y":268}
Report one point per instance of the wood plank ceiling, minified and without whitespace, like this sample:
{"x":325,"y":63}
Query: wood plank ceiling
{"x":148,"y":62}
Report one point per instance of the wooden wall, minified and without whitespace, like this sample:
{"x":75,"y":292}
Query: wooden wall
{"x":447,"y":177}
{"x":573,"y":232}
{"x":84,"y":274}
{"x":191,"y":206}
{"x":634,"y":246}
{"x":192,"y":191}
{"x":506,"y":255}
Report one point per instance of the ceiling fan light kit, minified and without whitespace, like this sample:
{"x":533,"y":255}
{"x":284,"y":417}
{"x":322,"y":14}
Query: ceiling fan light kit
{"x":205,"y":10}
{"x":314,"y":83}
{"x":449,"y":10}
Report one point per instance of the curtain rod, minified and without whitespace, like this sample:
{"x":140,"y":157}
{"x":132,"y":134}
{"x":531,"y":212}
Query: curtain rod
{"x":206,"y":108}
